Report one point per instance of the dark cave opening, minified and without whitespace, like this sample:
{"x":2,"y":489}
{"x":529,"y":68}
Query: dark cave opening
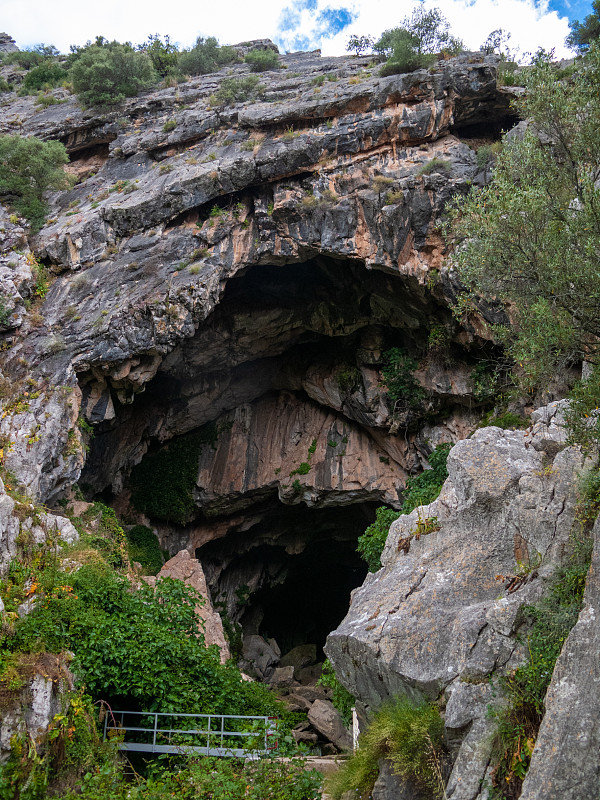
{"x":314,"y":598}
{"x":282,"y":565}
{"x":492,"y":129}
{"x":289,"y":577}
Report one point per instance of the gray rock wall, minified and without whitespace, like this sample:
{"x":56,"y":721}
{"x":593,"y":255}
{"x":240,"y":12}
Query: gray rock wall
{"x":436,"y":621}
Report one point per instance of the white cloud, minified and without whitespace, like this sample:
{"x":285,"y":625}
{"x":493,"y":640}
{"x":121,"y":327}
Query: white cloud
{"x":531,"y":24}
{"x":63,"y":22}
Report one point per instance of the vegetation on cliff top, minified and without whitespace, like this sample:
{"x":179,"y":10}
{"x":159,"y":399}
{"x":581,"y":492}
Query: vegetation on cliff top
{"x":532,"y":236}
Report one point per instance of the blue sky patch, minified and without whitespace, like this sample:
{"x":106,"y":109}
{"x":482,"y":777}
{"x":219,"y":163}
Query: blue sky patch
{"x":293,"y":32}
{"x":333,"y":20}
{"x":573,"y":9}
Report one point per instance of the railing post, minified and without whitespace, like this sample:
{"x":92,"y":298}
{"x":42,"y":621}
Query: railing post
{"x":208,"y":737}
{"x":155,"y":727}
{"x":222,"y":730}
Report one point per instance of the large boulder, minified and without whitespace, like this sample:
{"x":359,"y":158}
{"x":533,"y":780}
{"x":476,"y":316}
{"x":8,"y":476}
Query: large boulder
{"x":259,"y":656}
{"x":444,"y":613}
{"x":327,"y":720}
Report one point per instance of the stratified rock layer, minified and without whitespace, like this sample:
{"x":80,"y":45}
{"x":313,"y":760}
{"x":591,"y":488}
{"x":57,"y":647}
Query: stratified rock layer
{"x":148,"y":245}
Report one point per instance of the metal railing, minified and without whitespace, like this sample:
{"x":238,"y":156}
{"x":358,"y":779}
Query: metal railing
{"x":226,"y":735}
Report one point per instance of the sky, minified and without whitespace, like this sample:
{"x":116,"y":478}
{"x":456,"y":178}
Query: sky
{"x":293,"y":25}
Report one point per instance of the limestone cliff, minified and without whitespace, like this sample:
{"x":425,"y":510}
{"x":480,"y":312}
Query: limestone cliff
{"x":214,"y":300}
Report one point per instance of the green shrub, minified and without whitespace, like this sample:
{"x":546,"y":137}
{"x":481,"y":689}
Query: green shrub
{"x":405,"y":56}
{"x":143,"y":547}
{"x":163,"y":483}
{"x":341,"y":699}
{"x":412,"y":45}
{"x":411,"y":736}
{"x":26,"y":59}
{"x":262,"y":60}
{"x":105,"y":74}
{"x":169,"y":125}
{"x":485,"y":155}
{"x":204,"y":779}
{"x":44,"y":75}
{"x":435,"y":165}
{"x":508,"y":420}
{"x":140,"y":646}
{"x":164,"y":55}
{"x":398,"y":378}
{"x":420,"y":490}
{"x":423,"y":488}
{"x":205,"y":56}
{"x":45,"y":100}
{"x":371,"y":543}
{"x":29,"y":168}
{"x":303,"y":469}
{"x":238,"y":90}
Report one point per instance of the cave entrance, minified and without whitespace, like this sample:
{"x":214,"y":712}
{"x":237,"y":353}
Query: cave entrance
{"x":289,"y":577}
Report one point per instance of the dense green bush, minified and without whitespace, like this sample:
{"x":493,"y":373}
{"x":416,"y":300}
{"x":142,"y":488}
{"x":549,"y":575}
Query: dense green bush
{"x":29,"y":168}
{"x":371,"y":543}
{"x":26,"y":59}
{"x":205,"y":56}
{"x":413,"y":44}
{"x":423,"y":488}
{"x":262,"y":60}
{"x":531,"y":236}
{"x":207,"y":779}
{"x":238,"y":90}
{"x":140,"y":648}
{"x":398,"y":376}
{"x":163,"y":54}
{"x":420,"y":490}
{"x":405,"y":55}
{"x":47,"y":74}
{"x":105,"y":74}
{"x":163,"y":483}
{"x":144,"y":548}
{"x":411,"y":736}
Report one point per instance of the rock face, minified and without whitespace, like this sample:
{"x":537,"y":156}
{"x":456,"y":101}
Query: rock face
{"x":246,"y":269}
{"x":25,"y":522}
{"x":44,"y":696}
{"x":189,"y":570}
{"x":326,"y":719}
{"x":436,"y":620}
{"x":564,"y":763}
{"x":7,"y":44}
{"x":150,"y":293}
